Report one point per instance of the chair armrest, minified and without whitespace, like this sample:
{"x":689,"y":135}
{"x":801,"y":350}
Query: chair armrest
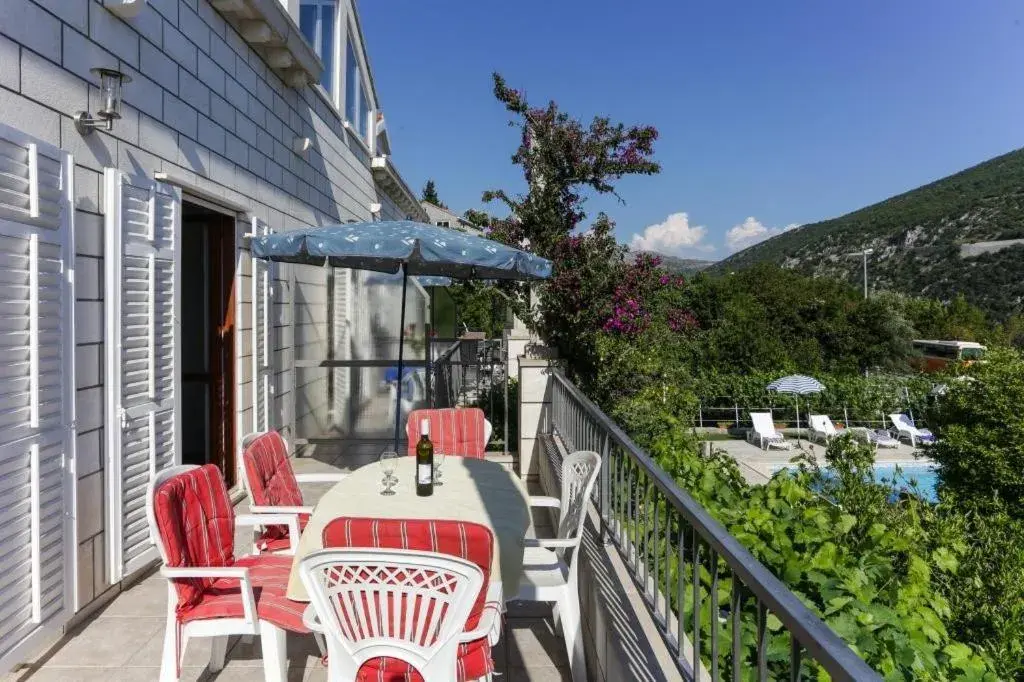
{"x":551,"y":543}
{"x":264,"y":511}
{"x":490,"y":622}
{"x":311,"y":620}
{"x":290,"y":520}
{"x":320,"y":478}
{"x":542,"y":501}
{"x":232,"y":572}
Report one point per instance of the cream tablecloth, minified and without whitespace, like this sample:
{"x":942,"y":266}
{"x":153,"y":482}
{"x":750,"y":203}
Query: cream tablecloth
{"x":474,"y":490}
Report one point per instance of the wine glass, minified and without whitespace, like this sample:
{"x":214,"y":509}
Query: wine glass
{"x":438,"y":461}
{"x":388,"y":464}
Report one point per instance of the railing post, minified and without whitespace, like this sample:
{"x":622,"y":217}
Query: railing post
{"x":846,"y":417}
{"x":737,"y":407}
{"x":606,"y":487}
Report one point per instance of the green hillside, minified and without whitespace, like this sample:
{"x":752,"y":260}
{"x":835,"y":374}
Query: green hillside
{"x":917,"y":238}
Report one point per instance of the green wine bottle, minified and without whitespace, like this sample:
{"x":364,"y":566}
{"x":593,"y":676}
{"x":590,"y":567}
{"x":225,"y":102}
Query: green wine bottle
{"x":424,"y":462}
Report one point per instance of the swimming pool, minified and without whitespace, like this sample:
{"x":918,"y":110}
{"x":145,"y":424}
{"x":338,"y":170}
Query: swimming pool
{"x":923,"y":477}
{"x":914,"y":476}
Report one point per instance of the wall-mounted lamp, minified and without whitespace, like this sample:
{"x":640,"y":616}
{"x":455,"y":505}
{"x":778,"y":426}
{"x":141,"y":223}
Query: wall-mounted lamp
{"x":111,"y":81}
{"x":301,"y":146}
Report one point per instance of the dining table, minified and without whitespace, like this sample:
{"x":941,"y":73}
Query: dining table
{"x":473,"y":490}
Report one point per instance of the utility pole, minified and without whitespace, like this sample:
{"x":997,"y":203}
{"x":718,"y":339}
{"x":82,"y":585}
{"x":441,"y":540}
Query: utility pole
{"x":865,"y":253}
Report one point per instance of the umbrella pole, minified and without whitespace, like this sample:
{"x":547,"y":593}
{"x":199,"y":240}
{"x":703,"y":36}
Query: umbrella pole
{"x":401,"y":360}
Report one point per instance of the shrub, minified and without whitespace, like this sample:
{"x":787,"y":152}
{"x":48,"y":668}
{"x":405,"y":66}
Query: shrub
{"x":979,"y":423}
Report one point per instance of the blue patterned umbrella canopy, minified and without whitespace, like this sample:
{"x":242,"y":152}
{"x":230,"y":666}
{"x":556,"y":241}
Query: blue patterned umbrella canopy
{"x":389,"y":245}
{"x":797,"y":384}
{"x":416,"y":249}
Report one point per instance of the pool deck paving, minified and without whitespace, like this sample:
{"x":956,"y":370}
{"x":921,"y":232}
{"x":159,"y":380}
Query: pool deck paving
{"x":758,"y":465}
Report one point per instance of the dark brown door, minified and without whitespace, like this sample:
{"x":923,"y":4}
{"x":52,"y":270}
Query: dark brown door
{"x":208,"y":339}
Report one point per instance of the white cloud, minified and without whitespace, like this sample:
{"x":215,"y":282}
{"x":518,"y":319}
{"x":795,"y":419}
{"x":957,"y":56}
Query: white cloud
{"x":673,"y":236}
{"x":751,"y":231}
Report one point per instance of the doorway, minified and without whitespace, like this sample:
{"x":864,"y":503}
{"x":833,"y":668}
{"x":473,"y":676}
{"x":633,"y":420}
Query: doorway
{"x":208,"y":338}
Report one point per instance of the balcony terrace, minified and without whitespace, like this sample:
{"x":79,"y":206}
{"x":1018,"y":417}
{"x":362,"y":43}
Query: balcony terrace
{"x":650,"y":553}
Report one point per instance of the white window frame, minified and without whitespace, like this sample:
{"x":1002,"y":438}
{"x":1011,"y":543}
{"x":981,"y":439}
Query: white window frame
{"x":361,"y":92}
{"x":335,"y":94}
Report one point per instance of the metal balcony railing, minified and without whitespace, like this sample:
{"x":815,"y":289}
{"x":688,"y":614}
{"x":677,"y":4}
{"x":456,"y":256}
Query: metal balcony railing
{"x":686,"y":564}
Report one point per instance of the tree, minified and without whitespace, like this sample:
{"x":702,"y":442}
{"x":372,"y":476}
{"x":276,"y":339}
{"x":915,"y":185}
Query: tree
{"x":478,"y":218}
{"x":980,"y":433}
{"x":430,"y":194}
{"x":562,"y":158}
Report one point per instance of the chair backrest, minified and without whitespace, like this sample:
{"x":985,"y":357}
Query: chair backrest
{"x":192,"y":522}
{"x":822,"y":423}
{"x":454,"y":430}
{"x":269,"y":477}
{"x":763,"y":423}
{"x":463,"y":539}
{"x":579,"y":474}
{"x":376,"y":603}
{"x":902,"y":422}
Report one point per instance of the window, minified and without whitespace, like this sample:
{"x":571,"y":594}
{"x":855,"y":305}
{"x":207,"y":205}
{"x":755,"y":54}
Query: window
{"x":317,"y":20}
{"x":357,"y":104}
{"x":351,"y":83}
{"x":443,"y":223}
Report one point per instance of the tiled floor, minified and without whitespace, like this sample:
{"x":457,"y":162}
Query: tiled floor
{"x":123,"y":642}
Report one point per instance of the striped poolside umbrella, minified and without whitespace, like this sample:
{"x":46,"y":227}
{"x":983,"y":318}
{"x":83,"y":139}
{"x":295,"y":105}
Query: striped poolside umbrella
{"x":798,"y":385}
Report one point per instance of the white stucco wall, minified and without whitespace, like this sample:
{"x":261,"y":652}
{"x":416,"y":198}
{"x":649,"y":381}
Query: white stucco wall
{"x":203,"y":106}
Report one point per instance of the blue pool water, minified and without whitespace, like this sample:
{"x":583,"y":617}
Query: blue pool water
{"x":914,"y":477}
{"x":921,"y":477}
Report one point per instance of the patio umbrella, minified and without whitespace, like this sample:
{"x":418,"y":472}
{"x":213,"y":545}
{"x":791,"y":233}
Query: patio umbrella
{"x":798,"y":385}
{"x":406,"y":246}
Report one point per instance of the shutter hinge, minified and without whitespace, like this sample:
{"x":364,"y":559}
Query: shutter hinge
{"x":123,"y":416}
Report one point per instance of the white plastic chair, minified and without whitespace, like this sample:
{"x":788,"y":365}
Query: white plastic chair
{"x":488,"y":431}
{"x":764,"y":432}
{"x":272,"y":637}
{"x":358,"y":597}
{"x":551,"y":566}
{"x":905,"y":428}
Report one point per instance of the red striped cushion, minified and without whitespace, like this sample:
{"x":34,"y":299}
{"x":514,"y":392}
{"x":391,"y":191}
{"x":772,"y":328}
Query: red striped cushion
{"x":474,"y":663}
{"x":268,"y":541}
{"x":271,"y":479}
{"x":269,"y":578}
{"x":454,"y":431}
{"x":471,"y":541}
{"x":196,"y":523}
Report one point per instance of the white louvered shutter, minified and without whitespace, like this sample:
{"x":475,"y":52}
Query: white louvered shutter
{"x":37,"y":430}
{"x":262,"y":339}
{"x":142,"y":345}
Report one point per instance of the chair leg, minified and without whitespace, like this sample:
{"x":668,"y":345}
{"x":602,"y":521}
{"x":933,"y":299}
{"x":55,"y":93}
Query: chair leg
{"x":169,"y":659}
{"x":275,"y":655}
{"x":569,"y":607}
{"x":556,"y":620}
{"x":321,"y":644}
{"x":218,"y":653}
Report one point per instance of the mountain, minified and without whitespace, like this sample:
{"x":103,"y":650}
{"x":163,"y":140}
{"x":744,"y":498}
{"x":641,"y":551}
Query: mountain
{"x":679,"y":266}
{"x":931,"y":241}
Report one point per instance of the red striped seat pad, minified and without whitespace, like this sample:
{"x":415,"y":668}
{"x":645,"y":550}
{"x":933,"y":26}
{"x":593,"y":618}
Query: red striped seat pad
{"x":196,"y":523}
{"x":271,"y":479}
{"x":453,"y":431}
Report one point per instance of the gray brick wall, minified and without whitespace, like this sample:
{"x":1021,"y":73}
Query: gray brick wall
{"x":202,"y":105}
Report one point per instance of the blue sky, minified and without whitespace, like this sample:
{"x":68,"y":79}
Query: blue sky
{"x":770,"y":114}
